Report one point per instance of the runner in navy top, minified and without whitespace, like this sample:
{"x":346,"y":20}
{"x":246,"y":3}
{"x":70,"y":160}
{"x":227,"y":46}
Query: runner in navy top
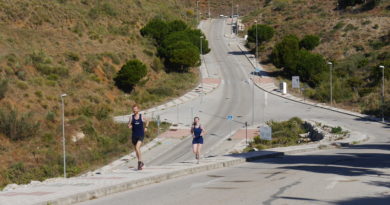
{"x":197,"y":132}
{"x":136,"y":124}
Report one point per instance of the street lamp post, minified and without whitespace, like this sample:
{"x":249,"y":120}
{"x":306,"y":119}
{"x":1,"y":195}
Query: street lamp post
{"x":331,"y":82}
{"x":208,"y":4}
{"x":197,"y":11}
{"x":237,"y":21}
{"x":63,"y":132}
{"x":201,"y":74}
{"x":253,"y":81}
{"x":383,"y":92}
{"x":232,"y":17}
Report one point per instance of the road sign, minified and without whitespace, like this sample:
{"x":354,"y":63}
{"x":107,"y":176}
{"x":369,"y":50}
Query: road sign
{"x":158,"y":120}
{"x":229,"y":117}
{"x":266,"y":132}
{"x":295,"y":82}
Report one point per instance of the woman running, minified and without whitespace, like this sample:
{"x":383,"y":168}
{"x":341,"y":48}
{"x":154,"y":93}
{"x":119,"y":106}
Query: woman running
{"x":197,"y":132}
{"x":136,"y":124}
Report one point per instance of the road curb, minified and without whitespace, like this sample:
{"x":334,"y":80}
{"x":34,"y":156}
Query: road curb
{"x":105,"y":191}
{"x":231,"y":160}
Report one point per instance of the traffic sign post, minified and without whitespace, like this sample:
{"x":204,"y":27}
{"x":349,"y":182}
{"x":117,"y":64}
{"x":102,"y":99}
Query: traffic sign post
{"x":246,"y":133}
{"x":258,"y":71}
{"x":158,"y":125}
{"x":265,"y":132}
{"x":295,"y":82}
{"x":230,"y":118}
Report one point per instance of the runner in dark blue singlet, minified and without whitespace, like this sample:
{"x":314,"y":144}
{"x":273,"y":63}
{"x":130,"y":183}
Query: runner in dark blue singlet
{"x":197,"y":132}
{"x":136,"y":124}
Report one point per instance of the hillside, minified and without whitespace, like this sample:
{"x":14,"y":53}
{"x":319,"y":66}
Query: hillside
{"x":76,"y":47}
{"x":356,"y":39}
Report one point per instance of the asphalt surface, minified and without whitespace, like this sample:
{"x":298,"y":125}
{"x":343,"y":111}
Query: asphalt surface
{"x":353,"y":175}
{"x":358,"y":175}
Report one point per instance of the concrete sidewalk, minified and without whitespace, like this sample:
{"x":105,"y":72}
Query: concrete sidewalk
{"x":83,"y":188}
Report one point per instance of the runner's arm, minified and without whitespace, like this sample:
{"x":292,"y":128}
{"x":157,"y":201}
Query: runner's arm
{"x":146,"y":122}
{"x":203,"y":130}
{"x":129,"y":124}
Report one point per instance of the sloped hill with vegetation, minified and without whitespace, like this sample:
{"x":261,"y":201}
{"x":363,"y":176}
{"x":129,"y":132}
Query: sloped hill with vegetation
{"x":77,"y":47}
{"x":353,"y":35}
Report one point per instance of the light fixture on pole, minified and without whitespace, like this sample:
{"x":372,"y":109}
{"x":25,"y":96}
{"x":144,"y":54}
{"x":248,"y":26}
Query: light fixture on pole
{"x":331,"y":82}
{"x":232,"y":17}
{"x":208,"y":4}
{"x":237,"y":21}
{"x":197,"y":11}
{"x":253,"y":82}
{"x":201,"y":74}
{"x":383,"y":92}
{"x":63,"y":131}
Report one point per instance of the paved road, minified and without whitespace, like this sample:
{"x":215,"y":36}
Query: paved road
{"x":234,"y":97}
{"x":354,"y":176}
{"x":340,"y":176}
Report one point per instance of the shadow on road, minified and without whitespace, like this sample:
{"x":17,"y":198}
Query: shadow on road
{"x":349,"y":163}
{"x":365,"y":200}
{"x":239,"y":53}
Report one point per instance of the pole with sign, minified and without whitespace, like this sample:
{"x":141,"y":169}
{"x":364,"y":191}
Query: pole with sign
{"x":246,"y":133}
{"x":230,"y":118}
{"x":158,"y":125}
{"x":265,"y":132}
{"x":295,"y":82}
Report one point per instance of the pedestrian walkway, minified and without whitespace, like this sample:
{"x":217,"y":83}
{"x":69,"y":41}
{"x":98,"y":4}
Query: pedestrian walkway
{"x":209,"y":84}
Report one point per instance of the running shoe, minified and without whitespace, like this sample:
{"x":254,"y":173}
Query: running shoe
{"x":140,"y":165}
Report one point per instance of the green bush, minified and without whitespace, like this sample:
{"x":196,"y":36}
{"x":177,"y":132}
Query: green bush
{"x":309,"y":42}
{"x":178,"y":56}
{"x":285,"y":133}
{"x":343,"y":4}
{"x":285,"y":54}
{"x":177,"y":25}
{"x":181,"y":56}
{"x":156,"y":29}
{"x":130,"y":74}
{"x":102,"y":112}
{"x":72,"y":56}
{"x":47,"y":69}
{"x":16,"y":126}
{"x":310,"y":67}
{"x":264,"y":33}
{"x":339,"y":25}
{"x":90,"y":63}
{"x":371,"y":4}
{"x":336,"y":130}
{"x":3,"y":88}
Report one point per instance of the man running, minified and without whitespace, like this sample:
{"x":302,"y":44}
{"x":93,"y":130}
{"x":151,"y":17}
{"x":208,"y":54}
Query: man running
{"x":136,"y":124}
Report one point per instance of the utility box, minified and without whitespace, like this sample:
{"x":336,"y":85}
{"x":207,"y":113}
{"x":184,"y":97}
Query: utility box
{"x":283,"y":87}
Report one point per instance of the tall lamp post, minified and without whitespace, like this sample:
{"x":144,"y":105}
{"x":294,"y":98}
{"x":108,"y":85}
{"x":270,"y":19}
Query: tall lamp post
{"x":63,"y":131}
{"x":201,"y":74}
{"x":383,"y":92}
{"x":331,"y":82}
{"x":253,"y":82}
{"x":208,"y":4}
{"x":237,"y":21}
{"x":197,"y":11}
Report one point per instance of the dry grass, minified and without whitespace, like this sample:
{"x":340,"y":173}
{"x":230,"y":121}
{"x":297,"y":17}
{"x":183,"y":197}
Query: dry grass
{"x":76,"y":47}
